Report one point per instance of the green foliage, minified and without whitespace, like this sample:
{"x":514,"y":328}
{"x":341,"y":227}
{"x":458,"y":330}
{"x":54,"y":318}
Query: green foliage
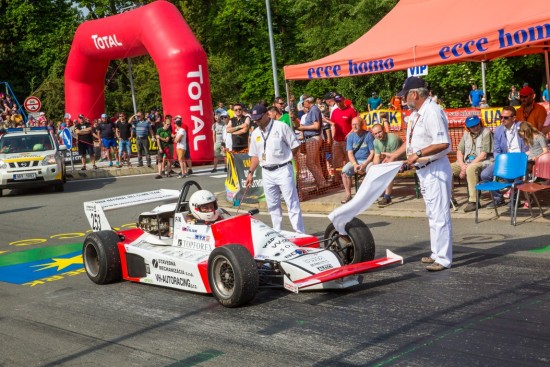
{"x":35,"y":40}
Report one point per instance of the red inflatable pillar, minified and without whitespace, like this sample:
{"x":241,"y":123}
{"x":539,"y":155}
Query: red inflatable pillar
{"x":157,"y":29}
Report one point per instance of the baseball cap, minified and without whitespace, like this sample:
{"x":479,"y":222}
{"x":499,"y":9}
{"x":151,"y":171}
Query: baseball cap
{"x":103,"y":115}
{"x":472,"y":121}
{"x":177,"y":117}
{"x":258,"y":111}
{"x":412,"y":82}
{"x":329,"y":95}
{"x":42,"y":114}
{"x":373,"y":93}
{"x":526,"y":91}
{"x":338,"y":98}
{"x":224,"y":113}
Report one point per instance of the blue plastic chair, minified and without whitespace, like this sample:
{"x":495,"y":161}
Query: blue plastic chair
{"x":511,"y":167}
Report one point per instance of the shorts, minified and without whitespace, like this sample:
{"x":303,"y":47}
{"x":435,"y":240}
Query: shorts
{"x":165,"y":152}
{"x":187,"y":154}
{"x":108,"y":143}
{"x":348,"y":168}
{"x":218,"y":150}
{"x":124,"y":145}
{"x":180,"y":153}
{"x":85,"y":148}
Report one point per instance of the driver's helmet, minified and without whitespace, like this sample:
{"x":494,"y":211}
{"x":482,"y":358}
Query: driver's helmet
{"x":204,"y":206}
{"x":38,"y":147}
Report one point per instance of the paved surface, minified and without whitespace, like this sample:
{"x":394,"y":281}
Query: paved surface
{"x":490,"y":309}
{"x":405,"y":203}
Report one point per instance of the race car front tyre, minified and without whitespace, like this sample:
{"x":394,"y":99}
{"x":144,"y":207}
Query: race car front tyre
{"x":233,"y":275}
{"x":101,"y":257}
{"x":356,"y":247}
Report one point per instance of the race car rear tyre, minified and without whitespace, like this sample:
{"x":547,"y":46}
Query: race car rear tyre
{"x":101,"y":257}
{"x":356,"y":247}
{"x":233,"y":275}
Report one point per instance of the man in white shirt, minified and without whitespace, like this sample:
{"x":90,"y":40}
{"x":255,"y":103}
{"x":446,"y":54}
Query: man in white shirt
{"x":272,"y":147}
{"x":426,"y":147}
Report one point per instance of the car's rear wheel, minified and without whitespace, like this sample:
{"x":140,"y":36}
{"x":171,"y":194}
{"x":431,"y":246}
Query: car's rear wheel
{"x":233,"y":275}
{"x":356,"y":247}
{"x":101,"y":257}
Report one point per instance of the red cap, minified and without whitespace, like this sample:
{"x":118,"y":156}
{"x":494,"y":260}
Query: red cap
{"x":526,"y":91}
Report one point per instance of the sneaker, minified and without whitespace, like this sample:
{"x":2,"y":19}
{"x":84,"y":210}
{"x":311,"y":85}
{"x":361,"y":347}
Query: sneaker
{"x":110,"y":163}
{"x":506,"y":195}
{"x":454,"y":202}
{"x":118,"y":163}
{"x":384,"y":201}
{"x":158,"y":176}
{"x":148,"y":166}
{"x":140,"y":164}
{"x":427,"y":260}
{"x":214,"y":170}
{"x":499,"y":202}
{"x":180,"y":176}
{"x":189,"y":171}
{"x":470,"y":207}
{"x":83,"y":168}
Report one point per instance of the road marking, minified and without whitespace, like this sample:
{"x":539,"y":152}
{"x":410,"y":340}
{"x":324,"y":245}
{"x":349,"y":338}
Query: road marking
{"x":542,"y":249}
{"x":41,"y":265}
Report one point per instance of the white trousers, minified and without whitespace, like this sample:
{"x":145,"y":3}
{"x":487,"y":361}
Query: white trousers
{"x":435,"y":184}
{"x":277,"y":182}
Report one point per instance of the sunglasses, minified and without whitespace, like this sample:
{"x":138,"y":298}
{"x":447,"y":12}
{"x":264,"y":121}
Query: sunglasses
{"x":238,"y":109}
{"x":506,"y":117}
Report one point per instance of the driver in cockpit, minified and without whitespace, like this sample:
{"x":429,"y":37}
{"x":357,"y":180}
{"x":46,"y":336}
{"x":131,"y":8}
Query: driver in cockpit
{"x":203,"y":208}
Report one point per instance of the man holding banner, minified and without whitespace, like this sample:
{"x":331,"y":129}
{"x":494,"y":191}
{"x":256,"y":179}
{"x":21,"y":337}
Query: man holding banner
{"x":272,"y":146}
{"x":426,"y":147}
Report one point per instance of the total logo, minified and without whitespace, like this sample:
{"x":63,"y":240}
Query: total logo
{"x":104,"y":42}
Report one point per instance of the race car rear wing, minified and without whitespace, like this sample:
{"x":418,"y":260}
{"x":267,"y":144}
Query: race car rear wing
{"x":95,"y":210}
{"x":341,"y":272}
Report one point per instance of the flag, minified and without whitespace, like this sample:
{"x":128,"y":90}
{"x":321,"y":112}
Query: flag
{"x":377,"y":179}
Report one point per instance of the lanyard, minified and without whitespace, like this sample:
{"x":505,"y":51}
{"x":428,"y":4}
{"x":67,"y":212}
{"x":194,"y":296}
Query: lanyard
{"x":268,"y":132}
{"x":412,"y":128}
{"x":513,"y":135}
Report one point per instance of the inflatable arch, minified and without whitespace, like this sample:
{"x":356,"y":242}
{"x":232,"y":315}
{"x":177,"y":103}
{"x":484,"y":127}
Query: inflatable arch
{"x":157,"y":29}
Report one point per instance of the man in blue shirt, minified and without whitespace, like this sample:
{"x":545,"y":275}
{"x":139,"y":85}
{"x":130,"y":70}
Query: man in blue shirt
{"x":475,"y":96}
{"x":360,"y":148}
{"x":545,"y":95}
{"x":374,"y":102}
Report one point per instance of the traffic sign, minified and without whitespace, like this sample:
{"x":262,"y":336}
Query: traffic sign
{"x":67,"y":138}
{"x":32,"y":104}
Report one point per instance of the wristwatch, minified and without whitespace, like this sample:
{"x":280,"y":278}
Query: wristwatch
{"x":419,"y":153}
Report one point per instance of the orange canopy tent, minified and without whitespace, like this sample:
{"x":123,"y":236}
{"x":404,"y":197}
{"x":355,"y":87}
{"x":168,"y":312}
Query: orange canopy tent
{"x":434,"y":32}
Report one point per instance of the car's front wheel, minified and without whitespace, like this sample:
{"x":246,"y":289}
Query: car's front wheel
{"x":101,"y":257}
{"x":233,"y":275}
{"x":356,"y":247}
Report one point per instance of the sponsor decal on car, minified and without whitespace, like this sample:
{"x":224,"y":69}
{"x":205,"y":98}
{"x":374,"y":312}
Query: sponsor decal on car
{"x":191,"y":245}
{"x":173,"y":280}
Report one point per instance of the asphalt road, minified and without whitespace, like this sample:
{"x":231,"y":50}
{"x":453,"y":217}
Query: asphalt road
{"x":491,"y":309}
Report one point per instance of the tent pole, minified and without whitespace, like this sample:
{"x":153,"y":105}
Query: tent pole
{"x":290,"y":106}
{"x":546,"y":67}
{"x":483,"y":80}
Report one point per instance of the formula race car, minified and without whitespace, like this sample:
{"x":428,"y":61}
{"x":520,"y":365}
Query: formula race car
{"x":193,"y":245}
